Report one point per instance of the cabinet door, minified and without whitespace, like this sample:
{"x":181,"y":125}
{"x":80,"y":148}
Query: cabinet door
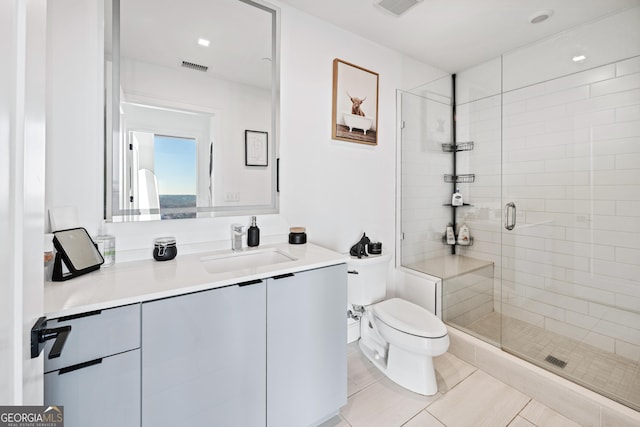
{"x":203,"y":358}
{"x":307,"y":346}
{"x":101,"y":393}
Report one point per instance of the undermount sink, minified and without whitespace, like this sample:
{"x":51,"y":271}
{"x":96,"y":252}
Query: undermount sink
{"x":242,"y":260}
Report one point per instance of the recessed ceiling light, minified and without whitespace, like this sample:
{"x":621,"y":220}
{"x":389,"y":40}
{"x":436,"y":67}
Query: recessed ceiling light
{"x":540,"y":16}
{"x":203,"y":42}
{"x":578,"y":58}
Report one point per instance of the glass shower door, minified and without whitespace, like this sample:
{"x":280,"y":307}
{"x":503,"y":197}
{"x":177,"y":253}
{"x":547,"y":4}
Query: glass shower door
{"x":427,"y":158}
{"x":571,"y":235}
{"x":425,"y":124}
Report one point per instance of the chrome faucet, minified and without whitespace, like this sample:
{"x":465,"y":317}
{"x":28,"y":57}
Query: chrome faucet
{"x":237,"y":231}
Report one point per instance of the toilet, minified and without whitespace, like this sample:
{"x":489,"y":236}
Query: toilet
{"x":399,"y":337}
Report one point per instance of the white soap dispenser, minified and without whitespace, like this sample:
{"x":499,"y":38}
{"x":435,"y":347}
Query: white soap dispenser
{"x":456,"y":199}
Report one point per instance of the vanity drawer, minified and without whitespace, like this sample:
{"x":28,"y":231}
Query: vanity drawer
{"x":94,"y":335}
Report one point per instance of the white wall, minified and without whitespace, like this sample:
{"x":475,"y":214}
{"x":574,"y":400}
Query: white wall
{"x":74,"y":109}
{"x":8,"y":36}
{"x":338,"y":190}
{"x":335,"y":189}
{"x":29,"y":196}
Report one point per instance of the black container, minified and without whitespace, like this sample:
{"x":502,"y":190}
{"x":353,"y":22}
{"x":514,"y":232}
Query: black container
{"x":253,"y":233}
{"x":375,"y":248}
{"x":297,"y":236}
{"x":164,"y":248}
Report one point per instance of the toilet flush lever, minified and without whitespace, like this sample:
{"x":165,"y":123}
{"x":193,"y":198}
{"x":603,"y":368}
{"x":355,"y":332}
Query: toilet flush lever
{"x":352,"y":271}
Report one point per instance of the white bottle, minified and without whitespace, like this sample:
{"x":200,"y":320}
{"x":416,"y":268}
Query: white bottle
{"x":456,"y":199}
{"x":464,"y":237}
{"x":451,"y":237}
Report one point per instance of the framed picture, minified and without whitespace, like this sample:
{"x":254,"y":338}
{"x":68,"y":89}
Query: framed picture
{"x":355,"y":104}
{"x":256,"y":148}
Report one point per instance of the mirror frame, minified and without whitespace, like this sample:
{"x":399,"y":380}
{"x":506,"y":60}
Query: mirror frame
{"x":112,"y":148}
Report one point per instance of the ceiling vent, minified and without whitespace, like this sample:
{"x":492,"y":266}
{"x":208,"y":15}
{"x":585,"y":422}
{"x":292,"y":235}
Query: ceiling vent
{"x":194,"y":66}
{"x":396,"y":7}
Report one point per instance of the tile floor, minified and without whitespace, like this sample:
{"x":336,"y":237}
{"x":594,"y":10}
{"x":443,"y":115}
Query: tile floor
{"x":467,"y":397}
{"x":604,"y":372}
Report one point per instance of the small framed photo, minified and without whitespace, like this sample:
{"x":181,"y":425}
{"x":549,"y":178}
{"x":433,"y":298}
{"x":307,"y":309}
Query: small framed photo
{"x":355,"y":104}
{"x":256,"y":148}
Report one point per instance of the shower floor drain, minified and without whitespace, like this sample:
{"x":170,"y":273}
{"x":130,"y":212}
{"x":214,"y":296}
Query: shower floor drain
{"x":555,"y":361}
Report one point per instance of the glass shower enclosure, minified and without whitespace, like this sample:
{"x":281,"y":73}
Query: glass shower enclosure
{"x":548,"y":161}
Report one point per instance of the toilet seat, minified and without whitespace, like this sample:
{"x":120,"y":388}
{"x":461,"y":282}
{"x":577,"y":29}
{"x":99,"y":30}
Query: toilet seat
{"x":409,"y":318}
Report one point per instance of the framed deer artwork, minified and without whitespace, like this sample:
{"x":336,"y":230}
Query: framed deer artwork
{"x":355,"y":104}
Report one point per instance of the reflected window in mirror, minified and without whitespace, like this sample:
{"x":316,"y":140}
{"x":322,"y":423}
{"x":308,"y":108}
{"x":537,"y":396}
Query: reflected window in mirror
{"x":167,"y":152}
{"x":176,"y":174}
{"x":163,"y":171}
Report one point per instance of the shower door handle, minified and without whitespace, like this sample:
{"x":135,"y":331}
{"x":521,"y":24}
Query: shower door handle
{"x":510,"y":216}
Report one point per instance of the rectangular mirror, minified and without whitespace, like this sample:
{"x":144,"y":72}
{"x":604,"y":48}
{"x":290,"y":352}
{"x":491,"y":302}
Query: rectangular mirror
{"x":184,"y":82}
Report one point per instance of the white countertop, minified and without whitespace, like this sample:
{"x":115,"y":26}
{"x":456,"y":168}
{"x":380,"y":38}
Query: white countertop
{"x":139,"y":281}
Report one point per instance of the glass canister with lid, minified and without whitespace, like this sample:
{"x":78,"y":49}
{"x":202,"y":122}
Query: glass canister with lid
{"x":164,"y":248}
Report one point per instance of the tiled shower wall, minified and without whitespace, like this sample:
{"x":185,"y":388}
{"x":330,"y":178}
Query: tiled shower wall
{"x":479,"y":121}
{"x":571,"y":163}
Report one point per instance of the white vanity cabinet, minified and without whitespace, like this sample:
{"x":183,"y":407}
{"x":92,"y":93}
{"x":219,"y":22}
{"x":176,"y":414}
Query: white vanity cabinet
{"x":306,"y":346}
{"x":203,"y":358}
{"x":265,"y":352}
{"x":97,"y":375}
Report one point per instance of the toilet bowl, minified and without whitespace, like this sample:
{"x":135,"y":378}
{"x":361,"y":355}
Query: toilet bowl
{"x":399,"y":337}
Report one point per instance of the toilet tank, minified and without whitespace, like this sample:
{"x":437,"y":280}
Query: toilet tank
{"x":367,"y":279}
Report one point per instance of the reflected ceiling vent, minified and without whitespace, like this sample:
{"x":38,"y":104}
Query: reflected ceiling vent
{"x":194,"y":66}
{"x":396,"y":7}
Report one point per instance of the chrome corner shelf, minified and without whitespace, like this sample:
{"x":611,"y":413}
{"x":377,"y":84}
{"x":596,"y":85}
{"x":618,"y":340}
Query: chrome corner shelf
{"x":444,"y":240}
{"x":455,"y":178}
{"x":460,"y":179}
{"x":458,"y":146}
